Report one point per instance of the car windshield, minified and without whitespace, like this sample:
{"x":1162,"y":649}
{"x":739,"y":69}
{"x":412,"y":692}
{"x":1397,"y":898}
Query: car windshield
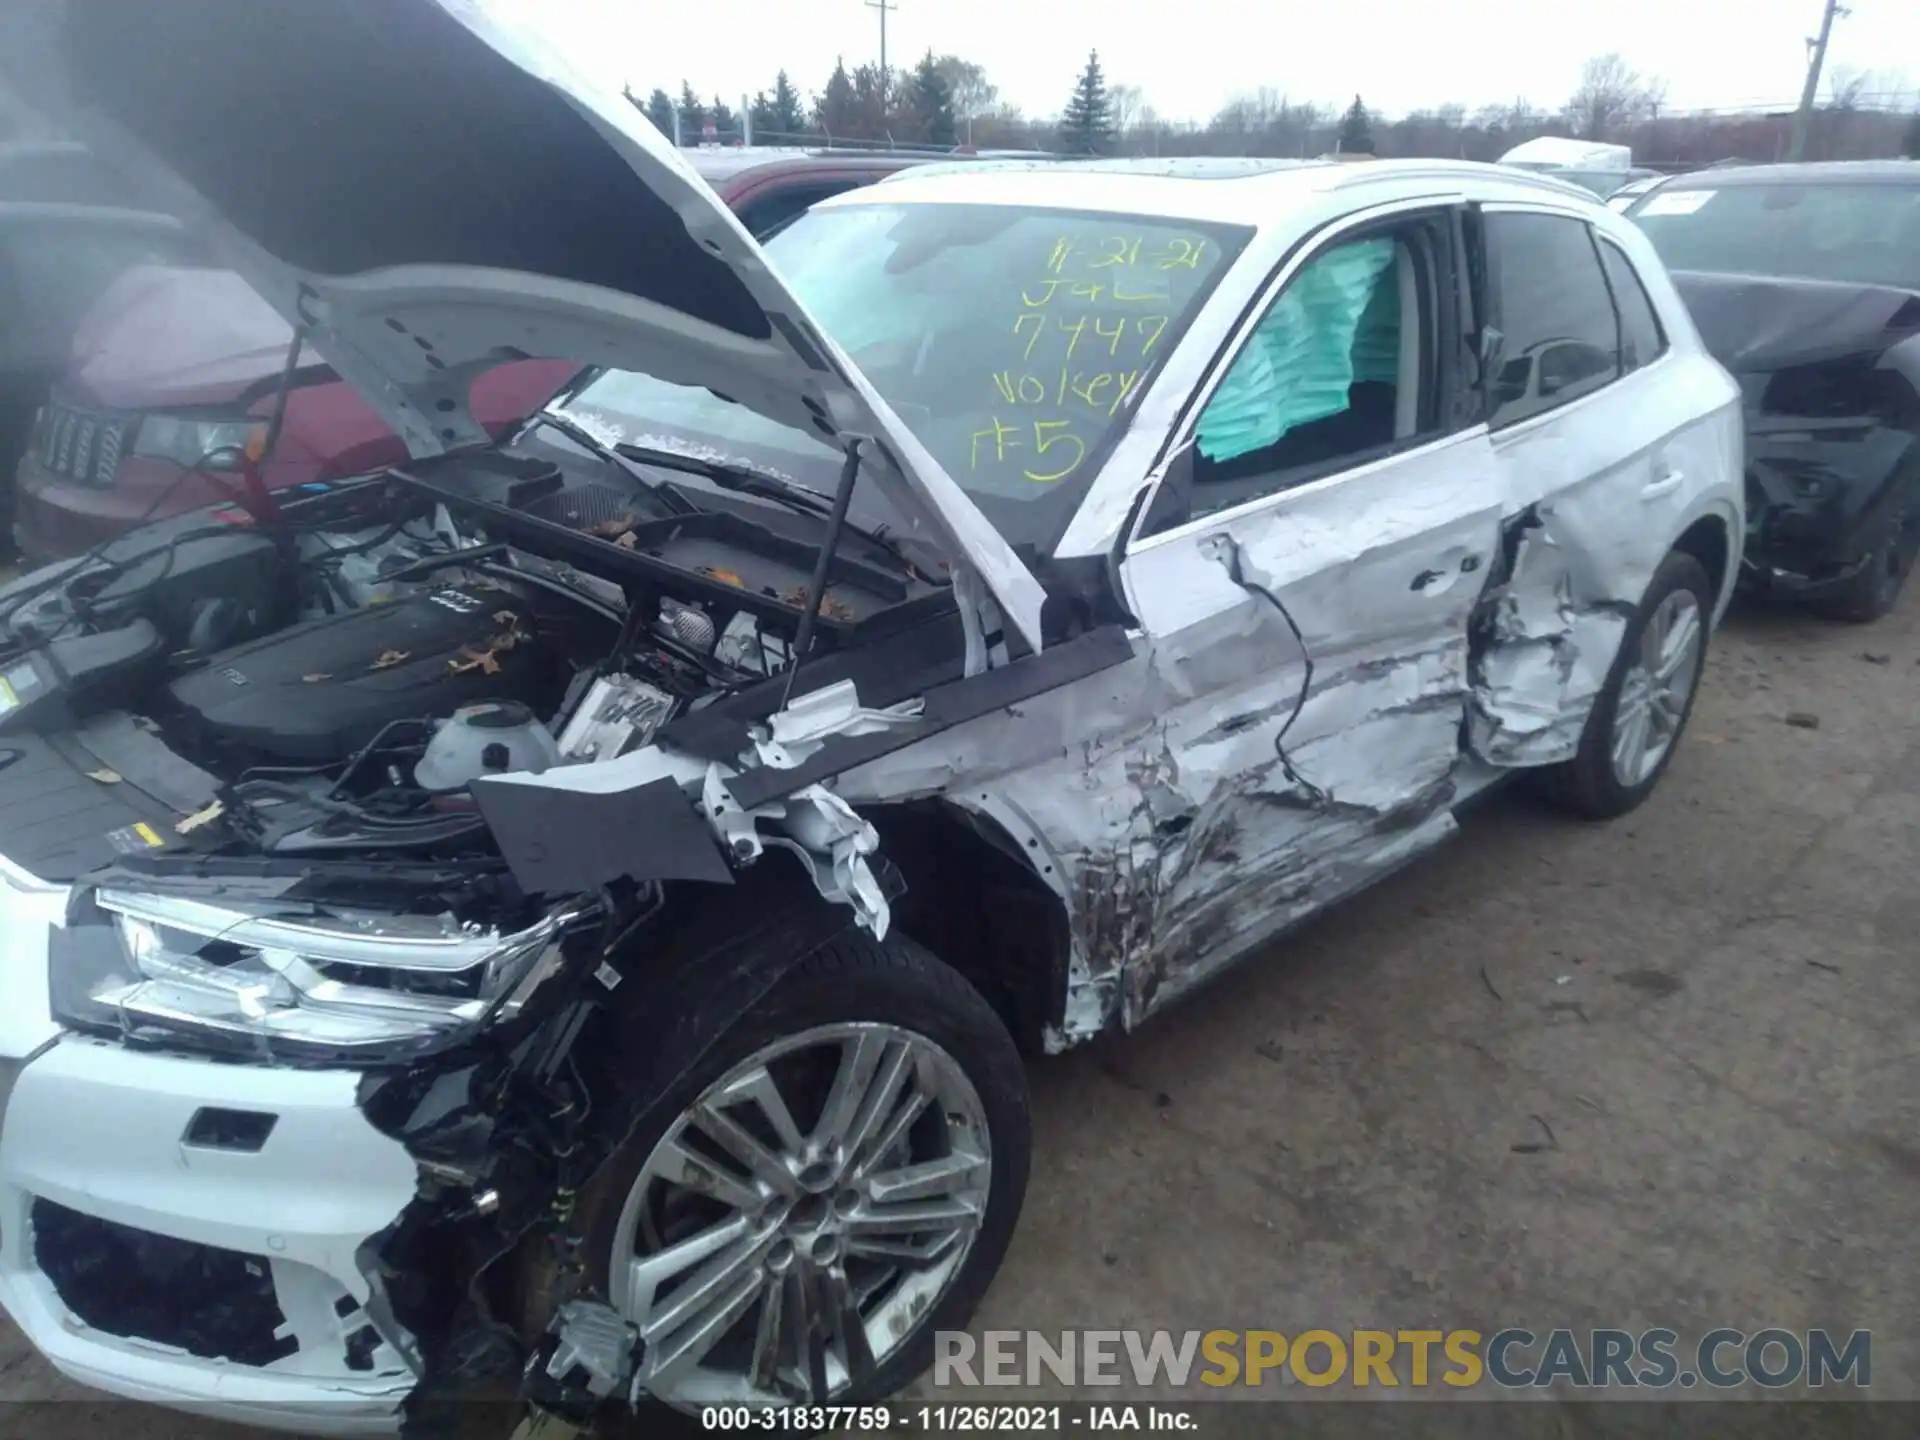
{"x":1865,"y":234}
{"x":1012,"y":342}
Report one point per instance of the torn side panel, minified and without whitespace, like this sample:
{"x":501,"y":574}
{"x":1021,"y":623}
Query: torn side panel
{"x":1291,"y":732}
{"x":1597,"y":493}
{"x":1544,"y":642}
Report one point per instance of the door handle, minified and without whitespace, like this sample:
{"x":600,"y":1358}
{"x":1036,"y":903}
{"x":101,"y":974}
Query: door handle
{"x":1665,"y":481}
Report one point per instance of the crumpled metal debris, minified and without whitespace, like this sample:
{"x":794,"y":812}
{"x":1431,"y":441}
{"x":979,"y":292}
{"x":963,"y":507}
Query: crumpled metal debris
{"x":792,"y":735}
{"x":595,"y":1350}
{"x":1547,"y":643}
{"x":818,"y":826}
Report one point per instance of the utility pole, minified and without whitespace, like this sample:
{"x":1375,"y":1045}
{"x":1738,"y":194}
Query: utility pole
{"x":883,"y":7}
{"x":1803,"y":117}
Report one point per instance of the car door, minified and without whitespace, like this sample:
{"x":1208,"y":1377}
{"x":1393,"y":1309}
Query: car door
{"x":1590,"y":439}
{"x":1307,"y":570}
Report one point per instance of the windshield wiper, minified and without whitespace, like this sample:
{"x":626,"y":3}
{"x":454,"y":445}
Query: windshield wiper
{"x":740,"y":479}
{"x":743,"y":480}
{"x":594,"y":445}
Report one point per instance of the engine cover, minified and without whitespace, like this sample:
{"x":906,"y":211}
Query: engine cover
{"x":319,"y":691}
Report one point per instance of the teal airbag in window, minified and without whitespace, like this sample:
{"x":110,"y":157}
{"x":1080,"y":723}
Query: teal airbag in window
{"x":1310,"y":348}
{"x":1376,"y":345}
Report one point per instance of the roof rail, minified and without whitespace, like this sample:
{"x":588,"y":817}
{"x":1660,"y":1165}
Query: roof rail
{"x":826,"y":144}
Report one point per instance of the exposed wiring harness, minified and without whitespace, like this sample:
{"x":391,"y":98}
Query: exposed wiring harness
{"x":1227,"y":551}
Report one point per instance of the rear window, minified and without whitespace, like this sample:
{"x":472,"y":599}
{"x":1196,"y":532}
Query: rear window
{"x":1858,"y":234}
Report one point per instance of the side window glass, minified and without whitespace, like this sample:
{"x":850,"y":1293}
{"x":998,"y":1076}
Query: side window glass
{"x":769,"y":213}
{"x":1559,"y":339}
{"x":1333,"y":372}
{"x":1641,"y":339}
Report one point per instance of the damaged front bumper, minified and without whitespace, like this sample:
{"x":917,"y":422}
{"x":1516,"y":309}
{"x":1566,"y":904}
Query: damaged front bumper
{"x":188,"y":1232}
{"x":1757,"y":577}
{"x":1819,"y":510}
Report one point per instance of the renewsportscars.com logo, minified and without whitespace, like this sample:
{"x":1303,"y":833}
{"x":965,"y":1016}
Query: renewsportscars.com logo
{"x":1513,"y":1359}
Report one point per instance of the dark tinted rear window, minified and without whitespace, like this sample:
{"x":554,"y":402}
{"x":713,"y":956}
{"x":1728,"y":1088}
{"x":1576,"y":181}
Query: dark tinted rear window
{"x":1857,"y":233}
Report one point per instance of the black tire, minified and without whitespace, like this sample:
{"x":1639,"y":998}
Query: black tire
{"x":1875,"y":589}
{"x":856,"y":978}
{"x":1586,"y":785}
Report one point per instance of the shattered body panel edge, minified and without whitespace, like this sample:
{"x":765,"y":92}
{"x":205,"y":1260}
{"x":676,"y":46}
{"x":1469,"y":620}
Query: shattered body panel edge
{"x":1578,"y":549}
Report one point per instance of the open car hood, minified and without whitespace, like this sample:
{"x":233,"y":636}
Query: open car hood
{"x":1762,"y":322}
{"x":432,"y":188}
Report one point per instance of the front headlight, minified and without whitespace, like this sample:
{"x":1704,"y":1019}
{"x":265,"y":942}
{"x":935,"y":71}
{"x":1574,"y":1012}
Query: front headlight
{"x":356,"y":985}
{"x":183,"y":441}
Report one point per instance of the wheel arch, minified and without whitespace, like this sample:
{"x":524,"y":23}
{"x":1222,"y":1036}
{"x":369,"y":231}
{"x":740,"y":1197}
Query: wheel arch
{"x":989,"y":905}
{"x":1710,"y":540}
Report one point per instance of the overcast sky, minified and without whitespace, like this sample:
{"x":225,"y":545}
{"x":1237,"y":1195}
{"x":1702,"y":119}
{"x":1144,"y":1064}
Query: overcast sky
{"x":1189,"y":56}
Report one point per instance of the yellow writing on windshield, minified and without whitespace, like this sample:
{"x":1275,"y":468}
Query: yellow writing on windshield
{"x":1083,"y":340}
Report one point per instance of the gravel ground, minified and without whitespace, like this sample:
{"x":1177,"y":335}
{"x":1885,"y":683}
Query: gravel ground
{"x":1707,"y":1009}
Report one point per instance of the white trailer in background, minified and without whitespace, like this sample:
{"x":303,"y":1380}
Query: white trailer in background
{"x":1557,"y":152}
{"x":1598,"y":167}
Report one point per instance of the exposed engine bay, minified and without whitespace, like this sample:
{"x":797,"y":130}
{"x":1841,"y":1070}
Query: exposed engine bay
{"x":250,"y":743}
{"x":332,"y":684}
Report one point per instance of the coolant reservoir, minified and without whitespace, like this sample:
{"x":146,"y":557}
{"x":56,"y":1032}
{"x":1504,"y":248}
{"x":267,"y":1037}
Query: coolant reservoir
{"x":494,"y":737}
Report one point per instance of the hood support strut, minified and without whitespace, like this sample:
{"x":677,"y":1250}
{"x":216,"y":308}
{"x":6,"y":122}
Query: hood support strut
{"x":259,"y":501}
{"x":823,"y":563}
{"x":967,"y":591}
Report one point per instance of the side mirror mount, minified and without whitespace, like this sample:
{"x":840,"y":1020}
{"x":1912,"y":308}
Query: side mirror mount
{"x":1491,"y":342}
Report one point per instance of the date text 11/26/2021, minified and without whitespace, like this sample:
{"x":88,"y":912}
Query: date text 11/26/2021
{"x":948,"y":1419}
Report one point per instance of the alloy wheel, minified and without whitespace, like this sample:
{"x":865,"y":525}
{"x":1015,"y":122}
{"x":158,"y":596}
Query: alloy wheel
{"x":1656,"y":690}
{"x":795,"y":1226}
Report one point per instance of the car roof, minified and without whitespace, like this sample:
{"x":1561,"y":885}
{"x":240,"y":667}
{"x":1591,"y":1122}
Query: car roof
{"x":1829,"y":172}
{"x":1238,"y":190}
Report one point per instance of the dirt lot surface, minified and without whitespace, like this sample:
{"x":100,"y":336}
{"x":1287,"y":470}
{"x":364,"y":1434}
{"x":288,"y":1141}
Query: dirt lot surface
{"x":1659,"y":1072}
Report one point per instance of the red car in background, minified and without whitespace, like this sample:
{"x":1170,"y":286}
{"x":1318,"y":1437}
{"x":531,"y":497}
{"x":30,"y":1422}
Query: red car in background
{"x":172,"y":363}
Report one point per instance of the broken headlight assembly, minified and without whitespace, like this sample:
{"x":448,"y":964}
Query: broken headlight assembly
{"x":361,"y":987}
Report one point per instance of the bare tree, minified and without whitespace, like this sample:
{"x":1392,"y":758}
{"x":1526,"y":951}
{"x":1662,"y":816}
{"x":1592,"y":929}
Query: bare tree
{"x":1126,"y":102}
{"x":973,"y":94}
{"x":1150,"y":129}
{"x":1845,"y":85}
{"x":1892,"y":89}
{"x":1831,"y":127}
{"x":1251,"y":113}
{"x":1004,"y":127}
{"x":1611,"y":95}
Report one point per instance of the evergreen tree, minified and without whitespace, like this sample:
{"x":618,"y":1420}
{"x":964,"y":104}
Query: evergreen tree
{"x":789,"y":116}
{"x":764,"y":130}
{"x":833,"y":112}
{"x":725,"y":121}
{"x":1086,"y":127}
{"x":930,"y":101}
{"x":660,"y":111}
{"x":1356,"y":130}
{"x":872,"y":114}
{"x":693,"y":115}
